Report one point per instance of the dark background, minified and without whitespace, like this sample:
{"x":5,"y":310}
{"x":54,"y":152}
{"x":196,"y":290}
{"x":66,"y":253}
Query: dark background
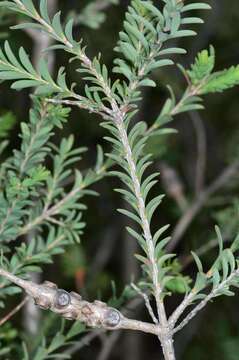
{"x":106,"y":251}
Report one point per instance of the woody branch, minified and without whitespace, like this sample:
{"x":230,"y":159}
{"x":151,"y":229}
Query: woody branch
{"x":71,"y":306}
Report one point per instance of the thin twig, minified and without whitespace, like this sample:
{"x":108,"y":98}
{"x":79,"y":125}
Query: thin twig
{"x":84,"y":341}
{"x":147,"y":302}
{"x":204,"y":302}
{"x":80,"y":104}
{"x":201,"y":151}
{"x":14,"y":311}
{"x":55,"y":209}
{"x":185,"y":221}
{"x":173,"y":185}
{"x":189,"y":297}
{"x":109,"y":344}
{"x":180,"y":309}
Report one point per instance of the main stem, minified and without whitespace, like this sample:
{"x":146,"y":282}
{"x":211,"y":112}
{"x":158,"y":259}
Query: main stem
{"x":166,"y":334}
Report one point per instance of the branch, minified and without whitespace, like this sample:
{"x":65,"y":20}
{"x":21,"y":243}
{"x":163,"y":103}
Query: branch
{"x":201,"y":150}
{"x":194,"y":209}
{"x":173,"y":185}
{"x":13,"y":311}
{"x":118,"y":118}
{"x":103,"y":111}
{"x":25,"y":261}
{"x":55,"y":209}
{"x":180,"y":309}
{"x":204,"y":302}
{"x":146,"y":301}
{"x":84,"y":341}
{"x":108,"y":346}
{"x":190,"y":92}
{"x":142,"y":211}
{"x":71,"y":46}
{"x":72,"y":307}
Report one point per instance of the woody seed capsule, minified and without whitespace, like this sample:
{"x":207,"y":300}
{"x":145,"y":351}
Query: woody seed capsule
{"x":62,"y":298}
{"x":112,"y":318}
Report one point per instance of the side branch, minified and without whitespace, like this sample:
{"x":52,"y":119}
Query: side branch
{"x":205,"y":301}
{"x":228,"y":173}
{"x":72,"y":307}
{"x":13,"y":311}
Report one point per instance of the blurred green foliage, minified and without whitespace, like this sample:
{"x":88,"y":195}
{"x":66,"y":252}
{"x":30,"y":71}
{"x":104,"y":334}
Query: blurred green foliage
{"x":7,"y":122}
